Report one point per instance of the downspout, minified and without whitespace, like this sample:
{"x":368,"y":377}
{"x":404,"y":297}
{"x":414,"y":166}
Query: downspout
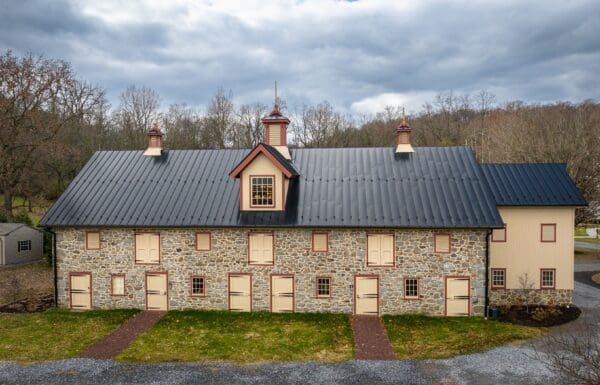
{"x":54,"y":267}
{"x":487,"y":274}
{"x":1,"y":252}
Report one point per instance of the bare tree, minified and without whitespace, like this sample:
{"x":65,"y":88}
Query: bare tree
{"x":138,"y":109}
{"x":218,"y":122}
{"x":248,"y":130}
{"x":525,"y":290}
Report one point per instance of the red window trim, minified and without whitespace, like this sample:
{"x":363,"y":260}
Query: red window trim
{"x":418,"y":297}
{"x":209,"y":240}
{"x":112,"y":291}
{"x":393,"y":249}
{"x":326,"y":241}
{"x":553,"y":276}
{"x":317,"y":295}
{"x":495,"y":287}
{"x":192,"y":276}
{"x":135,"y":248}
{"x":87,"y":244}
{"x":261,"y":232}
{"x":542,"y":232}
{"x":274,"y":191}
{"x":435,"y":249}
{"x":505,"y":235}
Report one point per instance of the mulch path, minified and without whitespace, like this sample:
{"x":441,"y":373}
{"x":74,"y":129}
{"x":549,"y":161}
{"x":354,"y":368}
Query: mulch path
{"x":114,"y":343}
{"x":370,"y":338}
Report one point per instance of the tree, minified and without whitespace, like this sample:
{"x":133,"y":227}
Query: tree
{"x":39,"y":97}
{"x":248,"y":129}
{"x":138,"y":109}
{"x":220,"y":117}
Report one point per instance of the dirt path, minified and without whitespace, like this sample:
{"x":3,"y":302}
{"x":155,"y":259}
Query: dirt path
{"x":370,"y":339}
{"x":114,"y":343}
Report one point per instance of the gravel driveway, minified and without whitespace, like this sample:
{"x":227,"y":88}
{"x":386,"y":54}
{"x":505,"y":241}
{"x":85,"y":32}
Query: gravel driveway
{"x":506,"y":365}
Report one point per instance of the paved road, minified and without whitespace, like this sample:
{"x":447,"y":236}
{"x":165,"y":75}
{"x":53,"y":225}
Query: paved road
{"x":587,"y":245}
{"x":506,"y":365}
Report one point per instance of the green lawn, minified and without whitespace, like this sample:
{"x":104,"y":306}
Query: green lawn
{"x":587,"y":254}
{"x":244,"y":337}
{"x":588,"y":239}
{"x":56,"y":333}
{"x":421,"y":337}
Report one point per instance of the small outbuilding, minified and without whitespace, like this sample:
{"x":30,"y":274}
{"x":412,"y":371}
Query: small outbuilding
{"x":20,"y":243}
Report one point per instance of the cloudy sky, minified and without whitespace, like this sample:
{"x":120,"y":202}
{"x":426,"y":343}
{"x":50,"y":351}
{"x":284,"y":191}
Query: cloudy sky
{"x":360,"y":55}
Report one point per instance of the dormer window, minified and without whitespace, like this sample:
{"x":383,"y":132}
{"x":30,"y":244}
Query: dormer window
{"x":262,"y":188}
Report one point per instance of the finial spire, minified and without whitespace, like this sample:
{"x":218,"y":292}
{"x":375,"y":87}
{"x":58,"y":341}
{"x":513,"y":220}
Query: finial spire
{"x":276,"y":101}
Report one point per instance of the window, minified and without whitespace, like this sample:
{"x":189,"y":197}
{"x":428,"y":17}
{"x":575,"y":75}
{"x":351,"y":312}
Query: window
{"x":498,"y":278}
{"x":320,"y":242}
{"x":262,"y":191}
{"x":380,"y":250}
{"x":548,"y":231}
{"x":261,"y":248}
{"x":198,"y":286}
{"x":411,"y":288}
{"x":118,"y":284}
{"x":547,"y":278}
{"x":441,"y":243}
{"x":499,"y":235}
{"x":203,"y":241}
{"x":147,"y":248}
{"x":323,"y":287}
{"x":24,"y":245}
{"x":92,"y":240}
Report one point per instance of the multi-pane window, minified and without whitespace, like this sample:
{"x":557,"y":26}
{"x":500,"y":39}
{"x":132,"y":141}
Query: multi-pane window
{"x":411,"y":288}
{"x":118,"y":284}
{"x":24,"y":245}
{"x":198,"y":285}
{"x":548,"y":231}
{"x":498,"y":278}
{"x":547,"y":277}
{"x":262,"y":191}
{"x":323,"y":287}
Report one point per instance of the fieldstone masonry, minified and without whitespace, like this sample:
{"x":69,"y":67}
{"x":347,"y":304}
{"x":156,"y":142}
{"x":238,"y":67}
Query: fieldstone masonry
{"x":415,"y":258}
{"x":507,"y":297}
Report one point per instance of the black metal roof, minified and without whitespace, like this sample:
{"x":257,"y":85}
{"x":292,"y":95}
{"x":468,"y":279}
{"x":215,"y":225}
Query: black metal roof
{"x":532,"y":184}
{"x":434,"y":187}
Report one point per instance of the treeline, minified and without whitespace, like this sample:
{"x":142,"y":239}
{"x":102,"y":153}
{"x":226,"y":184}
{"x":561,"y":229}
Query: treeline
{"x":52,"y":122}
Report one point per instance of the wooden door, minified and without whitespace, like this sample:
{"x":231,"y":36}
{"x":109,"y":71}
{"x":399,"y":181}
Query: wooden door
{"x":156,"y":291}
{"x":282,"y":293}
{"x":457,"y":296}
{"x":240,"y":292}
{"x":366,"y":299}
{"x":81,"y":290}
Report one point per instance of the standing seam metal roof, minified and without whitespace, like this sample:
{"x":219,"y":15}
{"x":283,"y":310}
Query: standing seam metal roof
{"x":532,"y":184}
{"x":435,"y":187}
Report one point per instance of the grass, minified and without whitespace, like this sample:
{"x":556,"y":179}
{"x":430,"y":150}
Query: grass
{"x":244,"y":337}
{"x":588,"y":239}
{"x":38,"y":207}
{"x":56,"y":333}
{"x":582,"y":254}
{"x":25,"y":281}
{"x":422,"y":337}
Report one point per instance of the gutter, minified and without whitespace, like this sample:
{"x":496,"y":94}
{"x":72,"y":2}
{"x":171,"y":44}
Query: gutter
{"x":487,"y":274}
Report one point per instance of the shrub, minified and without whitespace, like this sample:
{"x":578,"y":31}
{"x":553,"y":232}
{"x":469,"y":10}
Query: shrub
{"x":3,"y":217}
{"x":47,"y":245}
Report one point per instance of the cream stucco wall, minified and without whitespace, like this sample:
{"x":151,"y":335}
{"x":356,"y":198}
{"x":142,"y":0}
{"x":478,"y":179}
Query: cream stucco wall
{"x":262,"y":166}
{"x":523,"y":252}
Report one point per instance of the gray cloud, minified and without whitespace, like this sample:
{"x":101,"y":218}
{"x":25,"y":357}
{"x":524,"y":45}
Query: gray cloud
{"x":356,"y":59}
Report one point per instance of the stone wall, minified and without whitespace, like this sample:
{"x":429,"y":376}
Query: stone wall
{"x":507,"y":297}
{"x":415,"y":258}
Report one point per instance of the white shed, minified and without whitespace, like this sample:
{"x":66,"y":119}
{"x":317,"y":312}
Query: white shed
{"x":20,"y":243}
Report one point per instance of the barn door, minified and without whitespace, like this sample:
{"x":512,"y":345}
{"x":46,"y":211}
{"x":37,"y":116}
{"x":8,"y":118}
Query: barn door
{"x":457,"y":296}
{"x":156,"y":291}
{"x":240,"y":292}
{"x":81,"y":290}
{"x":366,"y":299}
{"x":282,"y":293}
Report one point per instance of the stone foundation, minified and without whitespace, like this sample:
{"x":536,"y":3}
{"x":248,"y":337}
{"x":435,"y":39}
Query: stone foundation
{"x":507,"y":297}
{"x":415,"y":258}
